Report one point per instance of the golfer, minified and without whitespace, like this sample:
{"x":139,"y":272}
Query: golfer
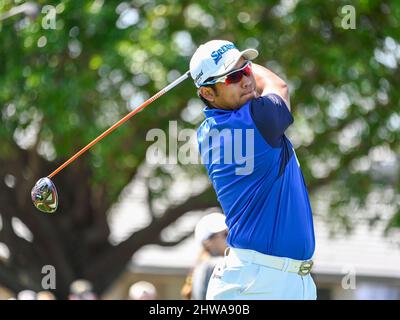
{"x":267,"y":208}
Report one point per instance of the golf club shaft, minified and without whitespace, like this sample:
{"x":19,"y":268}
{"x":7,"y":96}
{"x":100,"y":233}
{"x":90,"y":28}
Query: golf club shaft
{"x":117,"y":124}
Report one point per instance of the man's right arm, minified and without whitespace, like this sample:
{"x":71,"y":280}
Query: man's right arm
{"x":268,"y":82}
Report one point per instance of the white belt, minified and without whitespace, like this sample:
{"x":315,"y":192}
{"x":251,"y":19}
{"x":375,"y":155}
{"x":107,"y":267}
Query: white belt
{"x":302,"y":268}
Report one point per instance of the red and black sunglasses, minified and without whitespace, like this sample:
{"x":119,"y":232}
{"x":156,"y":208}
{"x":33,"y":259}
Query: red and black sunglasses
{"x":234,"y":76}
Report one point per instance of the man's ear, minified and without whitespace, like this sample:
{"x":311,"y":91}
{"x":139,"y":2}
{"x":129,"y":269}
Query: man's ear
{"x":207,"y":93}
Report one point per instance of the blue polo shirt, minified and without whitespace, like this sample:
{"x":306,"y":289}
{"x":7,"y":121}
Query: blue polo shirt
{"x":257,"y":178}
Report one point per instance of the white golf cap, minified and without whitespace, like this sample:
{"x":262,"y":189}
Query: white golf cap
{"x":209,"y":225}
{"x":142,"y":290}
{"x":216,"y":58}
{"x":26,"y":295}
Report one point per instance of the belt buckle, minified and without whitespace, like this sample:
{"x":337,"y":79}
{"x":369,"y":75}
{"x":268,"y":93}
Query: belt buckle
{"x":305,"y":267}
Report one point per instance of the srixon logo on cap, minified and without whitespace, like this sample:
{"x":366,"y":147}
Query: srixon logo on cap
{"x":217,"y":54}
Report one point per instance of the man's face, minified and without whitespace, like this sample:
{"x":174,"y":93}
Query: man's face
{"x":216,"y":244}
{"x":234,"y":95}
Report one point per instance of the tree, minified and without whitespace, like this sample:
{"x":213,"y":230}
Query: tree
{"x":60,"y":88}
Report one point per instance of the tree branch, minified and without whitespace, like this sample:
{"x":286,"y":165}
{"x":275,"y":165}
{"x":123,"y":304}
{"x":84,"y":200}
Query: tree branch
{"x":163,"y":243}
{"x":100,"y":271}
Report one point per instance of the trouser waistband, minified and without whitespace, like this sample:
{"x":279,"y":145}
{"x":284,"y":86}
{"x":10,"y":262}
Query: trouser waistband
{"x":300,"y":267}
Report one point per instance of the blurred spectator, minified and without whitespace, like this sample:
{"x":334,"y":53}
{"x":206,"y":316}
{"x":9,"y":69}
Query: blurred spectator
{"x":45,"y":295}
{"x":81,"y":290}
{"x":26,"y":295}
{"x":211,"y":232}
{"x":142,"y":290}
{"x":6,"y":294}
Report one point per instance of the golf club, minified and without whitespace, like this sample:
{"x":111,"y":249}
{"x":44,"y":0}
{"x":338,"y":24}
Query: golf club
{"x":44,"y":193}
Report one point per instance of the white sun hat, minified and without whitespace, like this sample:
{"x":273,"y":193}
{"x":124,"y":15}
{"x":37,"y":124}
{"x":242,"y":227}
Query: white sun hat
{"x":209,"y":225}
{"x":216,"y":58}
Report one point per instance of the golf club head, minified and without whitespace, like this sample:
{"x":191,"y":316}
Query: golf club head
{"x":44,"y":195}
